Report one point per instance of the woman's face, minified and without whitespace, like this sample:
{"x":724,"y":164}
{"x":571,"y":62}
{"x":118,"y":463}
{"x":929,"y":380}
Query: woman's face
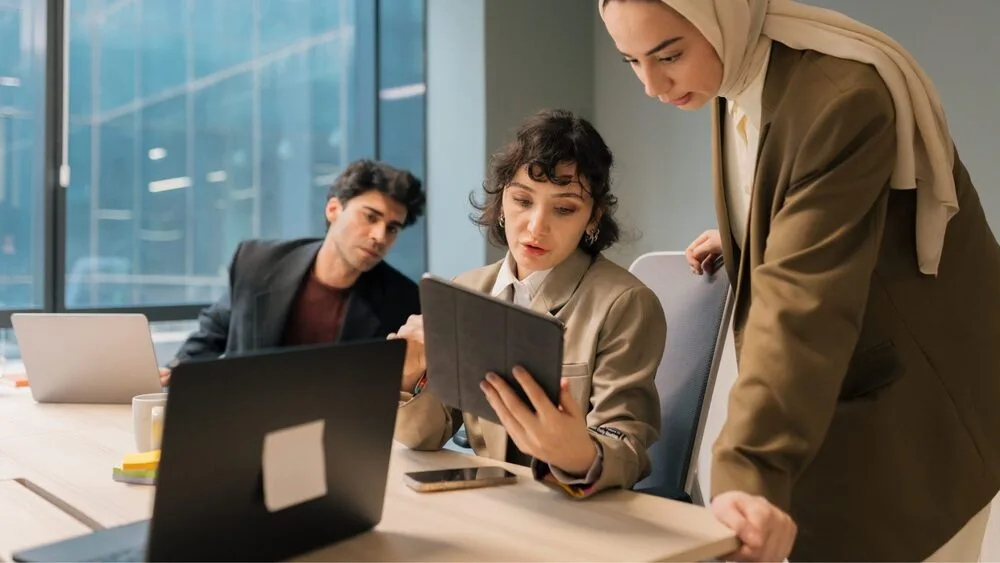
{"x":672,"y":59}
{"x":543,"y":221}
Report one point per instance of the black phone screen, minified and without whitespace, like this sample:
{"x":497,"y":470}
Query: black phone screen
{"x":460,"y":474}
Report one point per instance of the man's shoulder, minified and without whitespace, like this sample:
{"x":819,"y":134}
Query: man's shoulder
{"x":264,"y":249}
{"x":256,"y":261}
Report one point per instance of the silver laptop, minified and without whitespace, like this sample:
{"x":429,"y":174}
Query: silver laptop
{"x":87,"y":358}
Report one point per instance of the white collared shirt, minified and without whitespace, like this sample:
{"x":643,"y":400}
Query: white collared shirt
{"x":739,"y":158}
{"x":524,"y":290}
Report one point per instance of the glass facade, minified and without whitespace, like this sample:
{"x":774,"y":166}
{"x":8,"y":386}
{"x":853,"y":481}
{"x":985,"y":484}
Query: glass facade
{"x":194,"y":124}
{"x":22,"y":125}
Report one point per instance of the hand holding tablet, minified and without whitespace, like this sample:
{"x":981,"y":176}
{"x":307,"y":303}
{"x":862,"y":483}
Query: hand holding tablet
{"x":468,"y":334}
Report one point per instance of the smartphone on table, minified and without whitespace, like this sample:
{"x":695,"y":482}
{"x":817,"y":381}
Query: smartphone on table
{"x":458,"y":478}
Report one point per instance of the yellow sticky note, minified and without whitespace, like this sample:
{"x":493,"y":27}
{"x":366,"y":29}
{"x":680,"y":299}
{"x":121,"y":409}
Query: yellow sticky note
{"x":144,"y":460}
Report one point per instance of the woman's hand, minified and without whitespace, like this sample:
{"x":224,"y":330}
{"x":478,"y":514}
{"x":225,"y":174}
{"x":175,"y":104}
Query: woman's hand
{"x":767,"y":533}
{"x":416,"y":363}
{"x":707,"y":247}
{"x":557,"y":435}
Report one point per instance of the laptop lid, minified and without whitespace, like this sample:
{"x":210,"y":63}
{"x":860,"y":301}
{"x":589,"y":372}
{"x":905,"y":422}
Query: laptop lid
{"x":212,"y":498}
{"x":87,"y":358}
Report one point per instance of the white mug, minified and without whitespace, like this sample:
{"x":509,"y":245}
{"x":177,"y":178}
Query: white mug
{"x":156,"y":428}
{"x":142,"y":419}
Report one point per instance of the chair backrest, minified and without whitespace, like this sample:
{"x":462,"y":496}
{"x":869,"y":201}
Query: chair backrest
{"x":698,"y":310}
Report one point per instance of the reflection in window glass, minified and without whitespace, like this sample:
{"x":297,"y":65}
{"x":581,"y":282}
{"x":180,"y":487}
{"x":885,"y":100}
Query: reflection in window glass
{"x":195,"y":124}
{"x":22,"y":121}
{"x":402,"y":99}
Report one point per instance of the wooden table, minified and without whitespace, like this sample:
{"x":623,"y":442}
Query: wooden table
{"x":66,"y":452}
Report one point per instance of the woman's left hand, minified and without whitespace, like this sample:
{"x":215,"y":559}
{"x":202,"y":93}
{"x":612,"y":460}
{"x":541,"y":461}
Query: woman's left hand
{"x":554,"y":434}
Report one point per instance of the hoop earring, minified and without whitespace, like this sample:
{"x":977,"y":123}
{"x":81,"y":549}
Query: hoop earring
{"x":592,"y":236}
{"x":500,"y":221}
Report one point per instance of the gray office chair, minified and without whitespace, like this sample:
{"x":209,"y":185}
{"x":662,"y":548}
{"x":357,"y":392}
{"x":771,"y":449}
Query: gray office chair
{"x":698,"y":309}
{"x":461,"y":439}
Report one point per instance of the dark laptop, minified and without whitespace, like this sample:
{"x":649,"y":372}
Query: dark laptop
{"x":210,"y":493}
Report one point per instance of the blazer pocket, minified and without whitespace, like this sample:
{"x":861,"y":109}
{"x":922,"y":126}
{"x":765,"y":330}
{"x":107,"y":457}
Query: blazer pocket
{"x":578,"y":378}
{"x":870,"y":372}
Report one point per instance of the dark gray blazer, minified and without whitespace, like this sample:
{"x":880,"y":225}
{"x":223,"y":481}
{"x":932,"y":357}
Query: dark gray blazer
{"x":264,"y":280}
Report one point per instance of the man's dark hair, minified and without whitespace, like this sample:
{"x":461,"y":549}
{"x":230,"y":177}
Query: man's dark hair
{"x":362,"y":176}
{"x":545,"y":140}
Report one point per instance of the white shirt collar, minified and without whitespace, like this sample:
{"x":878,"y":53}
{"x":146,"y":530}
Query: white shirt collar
{"x":751,"y":100}
{"x":528,"y":286}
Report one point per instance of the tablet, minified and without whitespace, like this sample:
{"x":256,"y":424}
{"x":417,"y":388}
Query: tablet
{"x":468,"y":333}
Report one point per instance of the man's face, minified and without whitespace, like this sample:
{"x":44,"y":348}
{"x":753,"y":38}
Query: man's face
{"x":365,"y":228}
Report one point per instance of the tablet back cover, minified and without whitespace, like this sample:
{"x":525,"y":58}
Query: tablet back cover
{"x":467,"y":334}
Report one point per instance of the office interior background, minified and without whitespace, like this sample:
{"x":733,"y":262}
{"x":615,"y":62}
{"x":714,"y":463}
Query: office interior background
{"x":186,"y":126}
{"x":180,"y":127}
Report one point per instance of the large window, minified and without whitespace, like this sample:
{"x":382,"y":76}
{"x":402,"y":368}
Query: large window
{"x":181,"y":127}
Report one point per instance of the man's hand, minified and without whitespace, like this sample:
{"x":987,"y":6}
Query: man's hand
{"x":164,"y":377}
{"x":557,"y":435}
{"x":416,"y":363}
{"x":767,"y":533}
{"x":707,"y":246}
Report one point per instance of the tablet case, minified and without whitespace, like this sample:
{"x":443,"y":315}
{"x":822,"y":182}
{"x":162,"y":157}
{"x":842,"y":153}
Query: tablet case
{"x":468,"y":333}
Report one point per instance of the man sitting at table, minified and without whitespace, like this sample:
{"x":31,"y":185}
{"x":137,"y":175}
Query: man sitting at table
{"x":310,"y":291}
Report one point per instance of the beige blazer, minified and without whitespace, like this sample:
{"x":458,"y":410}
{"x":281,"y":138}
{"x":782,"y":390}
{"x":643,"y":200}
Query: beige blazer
{"x":866,"y":402}
{"x":615,"y":332}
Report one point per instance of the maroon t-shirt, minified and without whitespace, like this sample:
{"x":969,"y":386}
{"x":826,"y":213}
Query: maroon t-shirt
{"x":317,"y":314}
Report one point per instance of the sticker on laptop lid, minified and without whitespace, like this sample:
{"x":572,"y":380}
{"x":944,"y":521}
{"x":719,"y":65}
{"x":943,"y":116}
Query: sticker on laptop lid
{"x":294,"y":465}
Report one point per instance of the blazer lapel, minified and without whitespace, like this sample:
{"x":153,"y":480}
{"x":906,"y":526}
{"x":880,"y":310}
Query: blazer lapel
{"x":730,"y":252}
{"x":781,"y":65}
{"x":755,"y":195}
{"x":272,"y":305}
{"x":561,"y":282}
{"x":360,"y":320}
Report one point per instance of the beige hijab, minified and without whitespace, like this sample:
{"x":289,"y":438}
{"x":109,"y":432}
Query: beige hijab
{"x":741,"y":32}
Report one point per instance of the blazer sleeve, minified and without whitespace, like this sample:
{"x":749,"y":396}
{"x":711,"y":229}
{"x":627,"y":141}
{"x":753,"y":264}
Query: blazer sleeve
{"x":423,"y":422}
{"x":624,"y":418}
{"x":212,"y":335}
{"x":808,"y":297}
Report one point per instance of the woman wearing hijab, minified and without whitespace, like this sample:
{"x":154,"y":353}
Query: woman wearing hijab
{"x":867,"y":279}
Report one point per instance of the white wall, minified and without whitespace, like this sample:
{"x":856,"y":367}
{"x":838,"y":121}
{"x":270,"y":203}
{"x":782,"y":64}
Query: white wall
{"x":663,"y":154}
{"x":456,"y":121}
{"x":485,"y":75}
{"x":662,"y":173}
{"x":521,"y":80}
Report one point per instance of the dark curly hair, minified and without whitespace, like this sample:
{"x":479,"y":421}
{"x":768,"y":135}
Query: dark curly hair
{"x":541,"y":143}
{"x":362,"y":176}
